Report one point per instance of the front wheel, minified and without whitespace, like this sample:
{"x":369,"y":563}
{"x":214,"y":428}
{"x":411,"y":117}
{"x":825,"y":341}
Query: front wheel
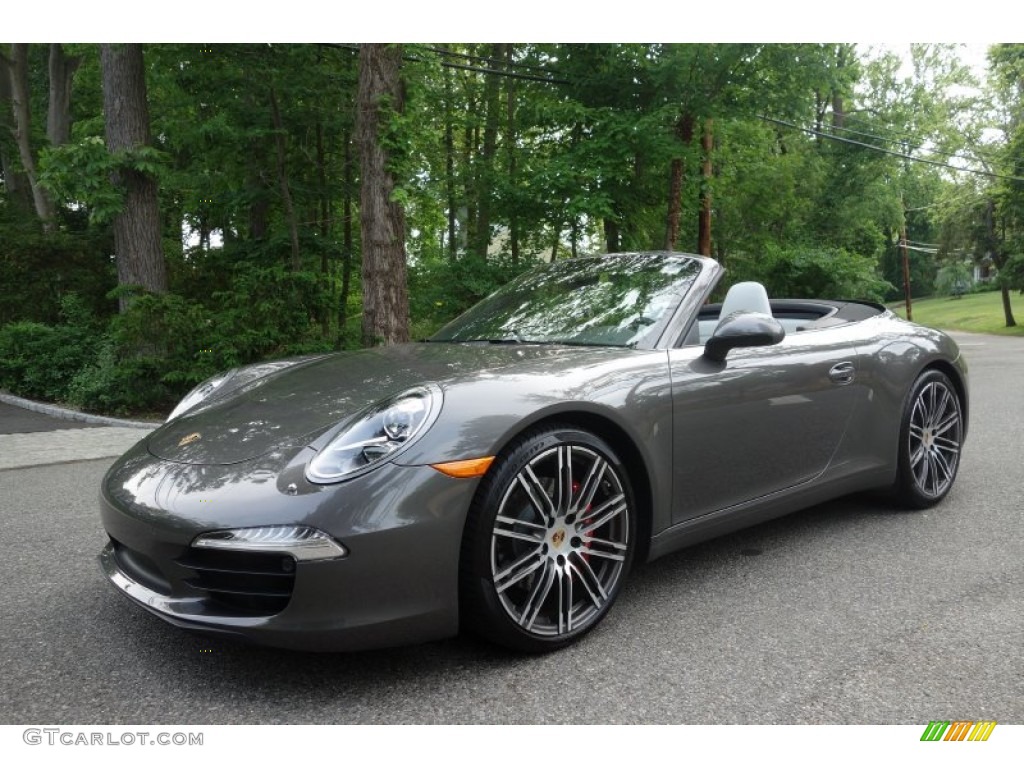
{"x":549,"y":541}
{"x":931,"y":436}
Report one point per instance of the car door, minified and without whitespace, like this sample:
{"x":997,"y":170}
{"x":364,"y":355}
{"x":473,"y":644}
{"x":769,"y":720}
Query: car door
{"x":767,"y":419}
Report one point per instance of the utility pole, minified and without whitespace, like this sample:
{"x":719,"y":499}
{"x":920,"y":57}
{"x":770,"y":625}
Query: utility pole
{"x":906,"y":264}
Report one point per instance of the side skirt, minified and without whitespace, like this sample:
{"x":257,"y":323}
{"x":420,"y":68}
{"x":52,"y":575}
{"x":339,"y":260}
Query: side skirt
{"x":716,"y":524}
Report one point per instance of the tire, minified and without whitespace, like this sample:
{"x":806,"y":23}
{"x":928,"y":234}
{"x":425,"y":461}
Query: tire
{"x":549,"y":541}
{"x":931,"y":437}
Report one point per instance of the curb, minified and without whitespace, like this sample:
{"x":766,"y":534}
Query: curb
{"x":69,"y":415}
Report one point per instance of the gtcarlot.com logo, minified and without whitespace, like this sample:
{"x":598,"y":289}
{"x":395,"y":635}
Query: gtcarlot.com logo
{"x":958,"y":730}
{"x":72,"y":738}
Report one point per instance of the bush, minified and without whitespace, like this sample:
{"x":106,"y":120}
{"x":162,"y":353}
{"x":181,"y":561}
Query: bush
{"x":39,"y":360}
{"x":953,"y":279}
{"x":811,"y":273}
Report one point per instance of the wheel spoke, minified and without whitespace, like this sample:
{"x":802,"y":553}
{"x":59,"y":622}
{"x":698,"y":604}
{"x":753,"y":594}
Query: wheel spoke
{"x":519,"y":570}
{"x":932,"y":394}
{"x":943,"y":467}
{"x":600,"y":516}
{"x":942,"y":408}
{"x":917,"y":455}
{"x":922,"y":474}
{"x":565,"y":600}
{"x":511,"y":533}
{"x":541,"y":529}
{"x":612,"y":550}
{"x":953,"y":420}
{"x":563,"y":489}
{"x":535,"y":490}
{"x":590,"y":581}
{"x":541,"y":589}
{"x":591,"y":484}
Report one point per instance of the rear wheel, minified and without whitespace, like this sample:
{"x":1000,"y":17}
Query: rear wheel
{"x":931,"y":435}
{"x":549,"y":541}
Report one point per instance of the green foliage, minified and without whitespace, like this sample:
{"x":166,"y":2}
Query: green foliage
{"x":82,"y":174}
{"x":805,"y":272}
{"x":573,"y":157}
{"x":442,"y":290}
{"x":38,"y":360}
{"x":1012,"y":274}
{"x":953,"y":279}
{"x":37,"y":270}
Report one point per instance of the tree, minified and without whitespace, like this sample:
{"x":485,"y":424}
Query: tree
{"x":137,"y":246}
{"x":1005,"y":212}
{"x":58,"y":117}
{"x":18,"y":70}
{"x":381,"y":216}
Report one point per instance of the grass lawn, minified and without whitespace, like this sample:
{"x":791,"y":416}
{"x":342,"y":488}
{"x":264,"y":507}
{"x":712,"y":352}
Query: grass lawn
{"x":976,"y":312}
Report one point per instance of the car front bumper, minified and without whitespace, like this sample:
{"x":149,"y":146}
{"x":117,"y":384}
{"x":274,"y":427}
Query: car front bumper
{"x":397,"y":585}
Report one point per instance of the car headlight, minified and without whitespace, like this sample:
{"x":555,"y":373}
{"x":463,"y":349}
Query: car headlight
{"x":379,"y":434}
{"x":200,"y":392}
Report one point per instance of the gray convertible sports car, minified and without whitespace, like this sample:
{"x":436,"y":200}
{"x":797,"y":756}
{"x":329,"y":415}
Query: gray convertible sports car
{"x":507,"y":473}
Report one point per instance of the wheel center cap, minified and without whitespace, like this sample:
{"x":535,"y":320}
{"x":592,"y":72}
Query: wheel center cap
{"x":557,"y":538}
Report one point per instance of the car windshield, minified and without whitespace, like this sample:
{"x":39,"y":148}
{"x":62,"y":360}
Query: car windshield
{"x":600,"y":301}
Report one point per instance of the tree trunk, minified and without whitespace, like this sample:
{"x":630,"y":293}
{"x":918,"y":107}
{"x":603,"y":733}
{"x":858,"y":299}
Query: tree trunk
{"x":23,"y":133}
{"x":139,"y":252}
{"x":998,"y":258}
{"x":282,"y":181}
{"x":684,"y":132}
{"x":838,"y":113}
{"x":449,"y":163}
{"x":838,"y":110}
{"x":1007,"y":309}
{"x":382,"y":220}
{"x":510,"y":143}
{"x":485,"y":174}
{"x":15,"y":183}
{"x":704,"y":224}
{"x":467,"y":212}
{"x":346,"y":233}
{"x":611,"y":236}
{"x":324,"y":227}
{"x":58,"y":118}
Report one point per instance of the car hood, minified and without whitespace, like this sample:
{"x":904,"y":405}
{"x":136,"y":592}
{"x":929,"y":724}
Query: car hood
{"x":292,"y":407}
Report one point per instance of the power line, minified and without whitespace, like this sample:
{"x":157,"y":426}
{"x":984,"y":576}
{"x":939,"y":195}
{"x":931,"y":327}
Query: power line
{"x":486,"y":59}
{"x":466,"y":67}
{"x":914,"y":143}
{"x":502,"y":73}
{"x":884,"y":151}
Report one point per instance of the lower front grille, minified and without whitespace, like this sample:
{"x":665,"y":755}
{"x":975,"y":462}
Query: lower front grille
{"x":256,"y":583}
{"x":140,"y":568}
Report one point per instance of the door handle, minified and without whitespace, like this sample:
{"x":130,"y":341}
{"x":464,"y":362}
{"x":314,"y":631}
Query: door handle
{"x":842,"y":373}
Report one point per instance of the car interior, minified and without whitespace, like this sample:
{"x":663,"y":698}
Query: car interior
{"x":795,"y":315}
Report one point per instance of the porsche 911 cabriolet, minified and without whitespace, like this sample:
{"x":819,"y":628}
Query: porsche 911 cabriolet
{"x":504,"y":475}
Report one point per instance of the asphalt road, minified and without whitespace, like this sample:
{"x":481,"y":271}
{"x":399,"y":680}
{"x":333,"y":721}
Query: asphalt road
{"x":18,"y":421}
{"x":850,"y":612}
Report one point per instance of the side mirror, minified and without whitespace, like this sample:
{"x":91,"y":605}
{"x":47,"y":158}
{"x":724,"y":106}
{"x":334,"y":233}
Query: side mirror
{"x":743,"y":329}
